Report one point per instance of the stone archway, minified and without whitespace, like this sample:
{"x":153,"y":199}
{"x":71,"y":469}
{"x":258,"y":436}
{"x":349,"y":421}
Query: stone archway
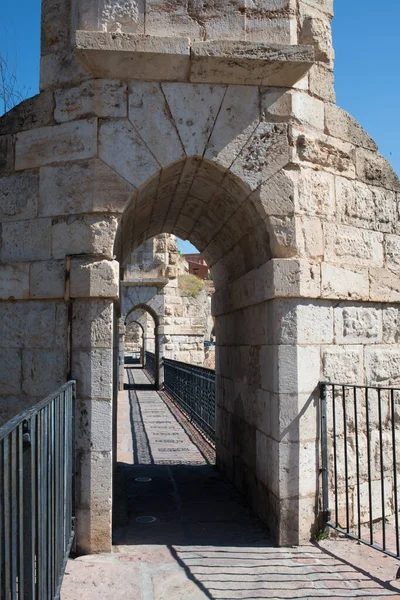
{"x":245,"y":153}
{"x":134,"y":337}
{"x":226,"y":217}
{"x":138,"y":332}
{"x":158,"y":335}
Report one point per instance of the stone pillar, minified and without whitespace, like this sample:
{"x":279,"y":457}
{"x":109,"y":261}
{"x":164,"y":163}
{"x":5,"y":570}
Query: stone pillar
{"x":94,"y":285}
{"x":268,"y":369}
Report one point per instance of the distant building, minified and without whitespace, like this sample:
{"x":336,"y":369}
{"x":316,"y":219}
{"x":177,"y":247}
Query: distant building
{"x":197,"y":265}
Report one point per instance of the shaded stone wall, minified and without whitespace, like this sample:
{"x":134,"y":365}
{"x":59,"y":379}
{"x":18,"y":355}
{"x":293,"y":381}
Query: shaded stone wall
{"x":224,"y":19}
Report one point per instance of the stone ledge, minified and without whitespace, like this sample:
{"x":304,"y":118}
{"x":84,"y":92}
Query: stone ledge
{"x":156,"y":282}
{"x":129,"y":56}
{"x":249,"y":63}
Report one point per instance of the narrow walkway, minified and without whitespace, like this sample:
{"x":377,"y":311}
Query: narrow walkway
{"x":149,"y":432}
{"x":181,"y":532}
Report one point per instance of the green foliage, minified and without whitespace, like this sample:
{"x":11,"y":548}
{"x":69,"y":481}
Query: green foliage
{"x":322,"y":534}
{"x":190,"y":285}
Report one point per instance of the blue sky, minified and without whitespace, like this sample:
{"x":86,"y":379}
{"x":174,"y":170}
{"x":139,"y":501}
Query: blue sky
{"x":366,"y":40}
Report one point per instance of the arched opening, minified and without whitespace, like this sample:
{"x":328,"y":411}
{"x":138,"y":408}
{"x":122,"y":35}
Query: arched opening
{"x":222,"y":215}
{"x":134,"y":342}
{"x":149,"y":322}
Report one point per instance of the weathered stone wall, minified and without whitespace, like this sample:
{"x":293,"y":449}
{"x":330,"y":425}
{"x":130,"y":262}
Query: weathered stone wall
{"x":185,"y":324}
{"x":33,"y":341}
{"x":270,"y":21}
{"x":244,"y":153}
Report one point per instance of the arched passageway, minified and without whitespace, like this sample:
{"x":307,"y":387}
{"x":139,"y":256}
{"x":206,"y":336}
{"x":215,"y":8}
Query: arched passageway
{"x":152,"y":338}
{"x":224,"y":216}
{"x":135,"y":339}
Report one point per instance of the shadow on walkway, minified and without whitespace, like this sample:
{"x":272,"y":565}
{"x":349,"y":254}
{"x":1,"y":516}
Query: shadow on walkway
{"x":189,"y":517}
{"x":139,"y":387}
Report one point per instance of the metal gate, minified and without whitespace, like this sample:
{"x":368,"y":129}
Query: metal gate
{"x":360,"y":436}
{"x":36,"y":498}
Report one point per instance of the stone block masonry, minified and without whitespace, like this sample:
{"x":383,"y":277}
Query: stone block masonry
{"x":152,"y":122}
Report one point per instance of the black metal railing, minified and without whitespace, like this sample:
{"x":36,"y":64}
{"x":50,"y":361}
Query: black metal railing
{"x":360,"y":435}
{"x":193,"y":389}
{"x":36,"y":498}
{"x":150,"y":365}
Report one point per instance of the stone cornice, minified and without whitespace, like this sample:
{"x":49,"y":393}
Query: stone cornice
{"x":129,"y":56}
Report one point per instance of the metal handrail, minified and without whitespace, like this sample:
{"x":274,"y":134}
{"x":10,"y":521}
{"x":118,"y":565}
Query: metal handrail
{"x":150,"y":363}
{"x":37,"y":497}
{"x":360,"y":430}
{"x":193,"y":389}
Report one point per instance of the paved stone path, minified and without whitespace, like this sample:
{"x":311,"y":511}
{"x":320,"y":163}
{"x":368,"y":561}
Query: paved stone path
{"x":204,"y":543}
{"x":150,"y":432}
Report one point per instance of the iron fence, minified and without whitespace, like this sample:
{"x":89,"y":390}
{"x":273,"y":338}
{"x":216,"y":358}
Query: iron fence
{"x":193,"y":389}
{"x":36,"y":498}
{"x":150,"y":364}
{"x":360,"y":433}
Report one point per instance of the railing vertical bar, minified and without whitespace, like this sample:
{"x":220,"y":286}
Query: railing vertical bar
{"x":335,"y":469}
{"x":48,"y":500}
{"x":357,"y":462}
{"x":2,"y":593}
{"x":52,"y":497}
{"x":394,"y":450}
{"x":324,"y":452}
{"x":371,"y":525}
{"x":67,"y":514}
{"x":14,"y":518}
{"x":39,"y":505}
{"x":67,"y":467}
{"x":55,"y":493}
{"x":72,"y":469}
{"x":58,"y":492}
{"x":346,"y":458}
{"x":21,"y":544}
{"x":382,"y":470}
{"x":62,"y":466}
{"x":31,"y":513}
{"x":6,"y":487}
{"x":43,"y":505}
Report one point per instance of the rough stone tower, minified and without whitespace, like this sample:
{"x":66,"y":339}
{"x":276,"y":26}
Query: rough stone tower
{"x":214,"y":120}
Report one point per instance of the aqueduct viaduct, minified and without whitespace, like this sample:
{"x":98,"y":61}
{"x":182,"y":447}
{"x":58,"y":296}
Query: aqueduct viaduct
{"x":215,"y":121}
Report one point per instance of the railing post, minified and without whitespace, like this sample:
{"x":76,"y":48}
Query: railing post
{"x":324,"y":453}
